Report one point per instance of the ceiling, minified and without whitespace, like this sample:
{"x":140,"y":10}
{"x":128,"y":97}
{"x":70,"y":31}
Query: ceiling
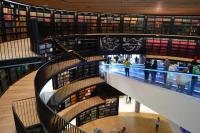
{"x":164,"y":7}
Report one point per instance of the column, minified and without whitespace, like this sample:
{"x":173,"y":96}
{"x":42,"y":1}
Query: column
{"x":137,"y":107}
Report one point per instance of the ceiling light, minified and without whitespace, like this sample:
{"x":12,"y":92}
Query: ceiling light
{"x":159,"y":7}
{"x":45,"y":5}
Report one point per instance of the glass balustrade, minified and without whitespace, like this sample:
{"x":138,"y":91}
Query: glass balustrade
{"x":185,"y":83}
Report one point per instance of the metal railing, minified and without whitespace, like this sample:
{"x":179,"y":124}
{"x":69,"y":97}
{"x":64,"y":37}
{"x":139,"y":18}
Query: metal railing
{"x":25,"y":116}
{"x":63,"y":93}
{"x":18,"y":124}
{"x":49,"y":119}
{"x":16,"y":49}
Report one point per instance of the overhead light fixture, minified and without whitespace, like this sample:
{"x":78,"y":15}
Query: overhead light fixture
{"x":45,"y":5}
{"x":158,"y":7}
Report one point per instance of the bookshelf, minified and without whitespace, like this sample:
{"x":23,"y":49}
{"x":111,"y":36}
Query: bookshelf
{"x":87,"y":43}
{"x":64,"y":22}
{"x":75,"y":73}
{"x":186,"y":25}
{"x":46,"y":49}
{"x":159,"y":25}
{"x":109,"y":23}
{"x":78,"y":96}
{"x":157,"y":46}
{"x":109,"y":108}
{"x":15,"y":21}
{"x":8,"y":14}
{"x":133,"y":24}
{"x":1,"y":24}
{"x":63,"y":79}
{"x":21,"y":22}
{"x":72,"y":99}
{"x":86,"y":93}
{"x":72,"y":74}
{"x":180,"y":46}
{"x":44,"y":21}
{"x":87,"y":116}
{"x":87,"y":22}
{"x":32,"y":13}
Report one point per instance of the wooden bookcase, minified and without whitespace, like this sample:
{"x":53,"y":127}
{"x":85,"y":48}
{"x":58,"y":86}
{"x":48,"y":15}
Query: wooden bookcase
{"x":13,"y":22}
{"x":78,"y":96}
{"x":110,"y":108}
{"x":64,"y":22}
{"x":157,"y":46}
{"x":186,"y":25}
{"x":159,"y":25}
{"x":75,"y":73}
{"x":133,"y":24}
{"x":110,"y":23}
{"x":87,"y":22}
{"x":183,"y":48}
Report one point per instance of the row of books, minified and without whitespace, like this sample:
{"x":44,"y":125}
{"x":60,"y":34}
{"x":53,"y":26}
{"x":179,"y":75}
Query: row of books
{"x":104,"y":110}
{"x":77,"y":97}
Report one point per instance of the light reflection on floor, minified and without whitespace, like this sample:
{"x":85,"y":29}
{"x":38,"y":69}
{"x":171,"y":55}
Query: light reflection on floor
{"x":130,"y":107}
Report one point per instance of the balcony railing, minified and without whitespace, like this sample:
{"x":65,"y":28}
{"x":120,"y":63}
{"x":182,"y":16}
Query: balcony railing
{"x":185,"y":83}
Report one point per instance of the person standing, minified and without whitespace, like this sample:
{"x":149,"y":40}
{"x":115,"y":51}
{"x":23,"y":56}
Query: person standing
{"x":193,"y":68}
{"x":123,"y":130}
{"x":147,"y":65}
{"x":136,"y":60}
{"x":154,"y":66}
{"x":166,"y":68}
{"x":116,"y":59}
{"x":127,"y":65}
{"x":171,"y":75}
{"x":157,"y":122}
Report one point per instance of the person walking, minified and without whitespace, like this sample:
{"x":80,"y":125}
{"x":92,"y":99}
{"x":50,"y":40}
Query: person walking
{"x":147,"y":65}
{"x":193,"y":69}
{"x":166,"y":68}
{"x":136,"y":60}
{"x":127,"y":64}
{"x":154,"y":66}
{"x":157,"y":122}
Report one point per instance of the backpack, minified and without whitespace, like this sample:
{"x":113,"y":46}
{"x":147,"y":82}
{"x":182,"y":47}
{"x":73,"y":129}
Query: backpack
{"x":195,"y":70}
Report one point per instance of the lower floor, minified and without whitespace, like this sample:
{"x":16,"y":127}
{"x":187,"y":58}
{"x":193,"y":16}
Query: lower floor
{"x":133,"y":122}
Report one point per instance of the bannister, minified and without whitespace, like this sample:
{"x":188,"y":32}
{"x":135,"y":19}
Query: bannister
{"x":59,"y":44}
{"x":25,"y":116}
{"x":18,"y":124}
{"x":51,"y":121}
{"x":69,"y":113}
{"x":59,"y":96}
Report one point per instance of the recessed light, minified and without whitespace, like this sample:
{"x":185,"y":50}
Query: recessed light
{"x":159,"y":7}
{"x":45,"y":5}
